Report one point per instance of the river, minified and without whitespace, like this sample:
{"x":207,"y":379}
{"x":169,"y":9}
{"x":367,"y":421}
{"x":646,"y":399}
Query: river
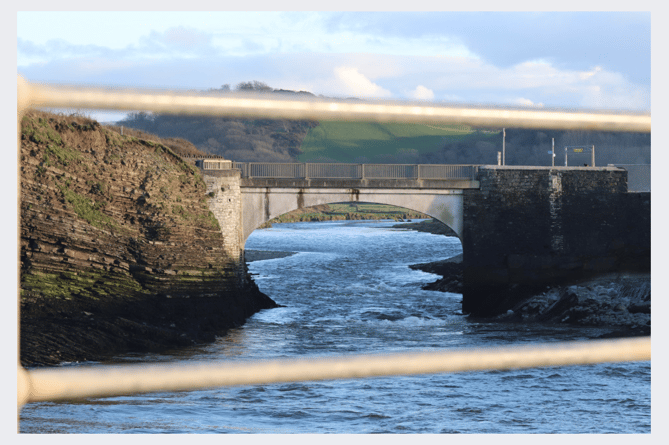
{"x":348,"y":290}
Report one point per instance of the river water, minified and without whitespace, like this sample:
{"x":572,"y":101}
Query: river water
{"x":349,"y":290}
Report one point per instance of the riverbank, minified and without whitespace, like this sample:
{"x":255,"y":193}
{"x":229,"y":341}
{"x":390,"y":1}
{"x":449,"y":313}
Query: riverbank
{"x":259,"y":255}
{"x":57,"y":331}
{"x":620,"y":302}
{"x":450,"y":270}
{"x":119,"y":250}
{"x":428,"y":225}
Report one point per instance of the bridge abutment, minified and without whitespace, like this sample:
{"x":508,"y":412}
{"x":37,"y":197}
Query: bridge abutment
{"x":530,"y":227}
{"x":224,"y":198}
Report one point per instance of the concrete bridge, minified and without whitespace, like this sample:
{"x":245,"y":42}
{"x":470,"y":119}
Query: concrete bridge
{"x":270,"y":190}
{"x":521,"y":228}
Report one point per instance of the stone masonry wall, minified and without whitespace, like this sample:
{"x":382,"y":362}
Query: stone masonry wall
{"x":529,"y":227}
{"x":224,"y":195}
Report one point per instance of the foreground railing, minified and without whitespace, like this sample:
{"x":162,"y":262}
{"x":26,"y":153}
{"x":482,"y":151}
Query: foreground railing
{"x":354,"y":171}
{"x":42,"y":385}
{"x":102,"y":381}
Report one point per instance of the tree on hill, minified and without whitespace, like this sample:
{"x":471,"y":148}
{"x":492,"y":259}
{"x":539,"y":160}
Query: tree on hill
{"x":242,"y":140}
{"x":254,"y":85}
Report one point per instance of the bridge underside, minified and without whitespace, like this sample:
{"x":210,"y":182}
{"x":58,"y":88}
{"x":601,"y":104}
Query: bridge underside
{"x":261,"y":204}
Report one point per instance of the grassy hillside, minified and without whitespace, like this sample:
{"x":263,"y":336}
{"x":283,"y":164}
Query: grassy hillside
{"x":378,"y":142}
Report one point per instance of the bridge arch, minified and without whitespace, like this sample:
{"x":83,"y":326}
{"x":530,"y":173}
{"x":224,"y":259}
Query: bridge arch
{"x":261,"y":204}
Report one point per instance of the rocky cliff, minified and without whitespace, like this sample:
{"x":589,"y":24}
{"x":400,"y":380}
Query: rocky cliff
{"x":119,"y":251}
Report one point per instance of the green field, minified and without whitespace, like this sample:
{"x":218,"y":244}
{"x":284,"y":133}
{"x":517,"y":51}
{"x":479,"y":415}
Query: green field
{"x":347,"y":210}
{"x":351,"y":141}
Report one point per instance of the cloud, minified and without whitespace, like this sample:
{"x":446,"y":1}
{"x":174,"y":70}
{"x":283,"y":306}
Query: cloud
{"x":460,"y":79}
{"x":588,"y":74}
{"x":186,"y":38}
{"x":422,"y":93}
{"x":59,"y":49}
{"x":527,"y":103}
{"x":617,"y":41}
{"x":356,"y":84}
{"x":175,"y":42}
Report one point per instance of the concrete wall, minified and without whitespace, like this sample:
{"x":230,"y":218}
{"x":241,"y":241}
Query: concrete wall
{"x":528,"y":227}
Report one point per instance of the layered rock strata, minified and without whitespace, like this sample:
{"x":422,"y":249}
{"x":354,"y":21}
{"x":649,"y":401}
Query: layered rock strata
{"x":119,"y":251}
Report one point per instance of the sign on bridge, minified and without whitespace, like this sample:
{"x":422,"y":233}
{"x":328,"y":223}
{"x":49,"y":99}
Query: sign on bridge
{"x":580,"y":149}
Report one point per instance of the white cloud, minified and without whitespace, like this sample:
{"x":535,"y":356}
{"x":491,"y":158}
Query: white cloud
{"x":354,"y":83}
{"x":422,"y":93}
{"x":588,"y":74}
{"x":527,"y":103}
{"x":616,"y":96}
{"x":456,"y":79}
{"x":175,"y":42}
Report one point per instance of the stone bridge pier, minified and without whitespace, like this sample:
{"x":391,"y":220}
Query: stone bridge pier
{"x":526,"y":228}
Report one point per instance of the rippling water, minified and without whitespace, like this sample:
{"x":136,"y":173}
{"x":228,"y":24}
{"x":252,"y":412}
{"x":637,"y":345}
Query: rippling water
{"x":349,"y":290}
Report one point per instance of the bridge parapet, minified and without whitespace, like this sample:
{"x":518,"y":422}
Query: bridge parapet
{"x":357,"y":176}
{"x":356,"y":171}
{"x":308,"y":183}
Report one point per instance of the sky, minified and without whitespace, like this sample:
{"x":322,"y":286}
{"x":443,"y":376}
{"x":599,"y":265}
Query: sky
{"x":575,"y":60}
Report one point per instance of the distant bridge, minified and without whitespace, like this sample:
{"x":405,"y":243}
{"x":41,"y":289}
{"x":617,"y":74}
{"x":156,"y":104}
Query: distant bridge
{"x":269,"y":190}
{"x":519,"y":225}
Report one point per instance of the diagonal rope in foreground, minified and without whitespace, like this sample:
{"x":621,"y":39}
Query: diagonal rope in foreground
{"x":279,"y":106}
{"x":105,"y":381}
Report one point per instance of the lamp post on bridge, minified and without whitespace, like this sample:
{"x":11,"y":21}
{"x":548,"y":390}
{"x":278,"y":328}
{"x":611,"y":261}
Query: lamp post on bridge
{"x":503,"y":146}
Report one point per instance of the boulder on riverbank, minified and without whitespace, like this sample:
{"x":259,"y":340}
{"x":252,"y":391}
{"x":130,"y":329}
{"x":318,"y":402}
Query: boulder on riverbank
{"x":620,"y":302}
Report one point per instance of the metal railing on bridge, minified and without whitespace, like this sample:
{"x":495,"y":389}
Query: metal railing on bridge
{"x":105,"y":381}
{"x":355,"y":171}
